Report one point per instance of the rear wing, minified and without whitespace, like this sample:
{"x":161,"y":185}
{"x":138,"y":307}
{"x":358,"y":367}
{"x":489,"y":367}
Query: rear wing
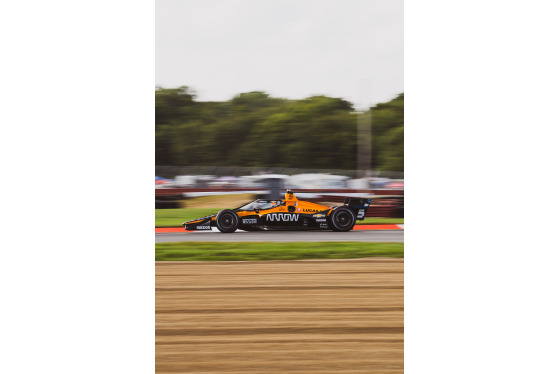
{"x":358,"y":205}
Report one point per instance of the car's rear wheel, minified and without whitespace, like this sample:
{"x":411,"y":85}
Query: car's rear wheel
{"x":342,"y":219}
{"x":227,"y":220}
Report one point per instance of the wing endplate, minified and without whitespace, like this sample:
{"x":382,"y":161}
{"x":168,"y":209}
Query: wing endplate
{"x":358,"y":205}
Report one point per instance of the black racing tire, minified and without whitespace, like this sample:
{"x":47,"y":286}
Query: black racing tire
{"x":342,"y":219}
{"x":227,"y":220}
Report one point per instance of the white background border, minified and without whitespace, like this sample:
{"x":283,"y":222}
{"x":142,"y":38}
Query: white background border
{"x":78,"y":166}
{"x":481,"y":153}
{"x":481,"y":157}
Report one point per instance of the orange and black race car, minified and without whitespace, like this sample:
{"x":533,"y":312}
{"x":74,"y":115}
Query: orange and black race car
{"x":287,"y":214}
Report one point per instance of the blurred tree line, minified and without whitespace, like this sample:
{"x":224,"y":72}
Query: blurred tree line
{"x":254,"y":129}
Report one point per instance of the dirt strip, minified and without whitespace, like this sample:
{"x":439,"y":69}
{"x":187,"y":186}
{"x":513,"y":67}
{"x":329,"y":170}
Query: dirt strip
{"x":315,"y":316}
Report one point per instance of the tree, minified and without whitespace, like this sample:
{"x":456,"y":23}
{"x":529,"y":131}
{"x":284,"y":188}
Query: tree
{"x":388,"y":135}
{"x":254,"y":129}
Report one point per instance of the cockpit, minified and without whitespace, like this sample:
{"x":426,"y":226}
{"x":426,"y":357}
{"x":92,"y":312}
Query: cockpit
{"x":262,"y":205}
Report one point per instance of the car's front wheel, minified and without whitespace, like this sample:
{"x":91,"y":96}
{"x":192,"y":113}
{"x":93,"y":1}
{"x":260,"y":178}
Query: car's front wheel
{"x":227,"y":220}
{"x":342,"y":219}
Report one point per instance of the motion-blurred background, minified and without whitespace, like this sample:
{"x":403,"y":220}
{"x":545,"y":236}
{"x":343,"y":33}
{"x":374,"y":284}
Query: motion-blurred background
{"x":255,"y":97}
{"x":259,"y":145}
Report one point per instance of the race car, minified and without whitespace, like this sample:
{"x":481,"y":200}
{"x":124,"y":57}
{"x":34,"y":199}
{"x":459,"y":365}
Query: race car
{"x":287,"y":214}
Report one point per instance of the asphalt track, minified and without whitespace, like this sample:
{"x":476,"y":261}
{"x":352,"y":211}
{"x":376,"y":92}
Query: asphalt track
{"x":285,"y":236}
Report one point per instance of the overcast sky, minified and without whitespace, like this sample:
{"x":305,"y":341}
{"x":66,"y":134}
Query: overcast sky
{"x":293,"y":49}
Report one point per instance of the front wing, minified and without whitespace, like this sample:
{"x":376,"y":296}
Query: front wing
{"x":204,"y":223}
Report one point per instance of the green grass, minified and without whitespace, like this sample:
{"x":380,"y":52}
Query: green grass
{"x":175,"y":217}
{"x":262,"y":251}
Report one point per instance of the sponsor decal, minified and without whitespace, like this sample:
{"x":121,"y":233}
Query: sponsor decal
{"x":250,"y":220}
{"x":310,"y":210}
{"x":322,"y":225}
{"x":286,"y":217}
{"x":361,"y":213}
{"x":321,"y":220}
{"x":318,"y":215}
{"x":203,"y":227}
